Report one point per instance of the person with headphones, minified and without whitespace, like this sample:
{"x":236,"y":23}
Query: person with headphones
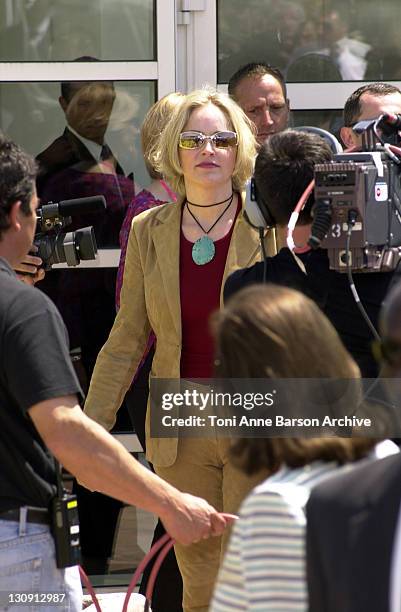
{"x":284,"y":168}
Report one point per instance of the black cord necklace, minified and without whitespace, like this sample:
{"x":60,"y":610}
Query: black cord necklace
{"x":203,"y":249}
{"x":210,"y":205}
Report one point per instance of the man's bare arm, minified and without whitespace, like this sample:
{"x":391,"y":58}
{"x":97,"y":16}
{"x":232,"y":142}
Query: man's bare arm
{"x":101,"y":463}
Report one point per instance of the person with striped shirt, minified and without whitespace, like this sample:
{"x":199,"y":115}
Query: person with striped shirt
{"x":276,"y":332}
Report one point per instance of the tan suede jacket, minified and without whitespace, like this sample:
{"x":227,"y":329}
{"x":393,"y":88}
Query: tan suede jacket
{"x":150,"y":300}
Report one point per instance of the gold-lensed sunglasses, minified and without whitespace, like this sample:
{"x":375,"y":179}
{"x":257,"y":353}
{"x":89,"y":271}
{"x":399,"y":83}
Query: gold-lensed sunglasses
{"x":196,"y":140}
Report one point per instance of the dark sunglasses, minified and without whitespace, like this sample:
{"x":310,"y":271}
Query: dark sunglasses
{"x":195,"y":140}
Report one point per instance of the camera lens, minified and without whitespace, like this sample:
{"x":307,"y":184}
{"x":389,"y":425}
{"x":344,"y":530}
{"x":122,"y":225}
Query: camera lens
{"x":85,"y":243}
{"x":67,"y":248}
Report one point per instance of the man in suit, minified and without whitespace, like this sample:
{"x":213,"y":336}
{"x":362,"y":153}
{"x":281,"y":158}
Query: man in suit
{"x":354,"y":520}
{"x":72,"y":146}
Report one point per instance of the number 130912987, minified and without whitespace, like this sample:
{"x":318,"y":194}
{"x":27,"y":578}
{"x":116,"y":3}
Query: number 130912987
{"x":37,"y":598}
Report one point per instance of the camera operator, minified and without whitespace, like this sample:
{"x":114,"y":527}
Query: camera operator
{"x":283,"y":170}
{"x":40,"y":415}
{"x":368,"y":102}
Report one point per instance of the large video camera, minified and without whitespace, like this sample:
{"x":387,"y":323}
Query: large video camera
{"x":357,"y":212}
{"x":55,"y":246}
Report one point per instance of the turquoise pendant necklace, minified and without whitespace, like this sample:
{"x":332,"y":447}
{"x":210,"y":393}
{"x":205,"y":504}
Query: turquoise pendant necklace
{"x":204,"y":249}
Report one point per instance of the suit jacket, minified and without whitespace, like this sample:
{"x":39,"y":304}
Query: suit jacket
{"x":64,"y":152}
{"x":351,"y":523}
{"x":150,"y":300}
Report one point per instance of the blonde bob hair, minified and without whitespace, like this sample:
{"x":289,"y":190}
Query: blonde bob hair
{"x":166,"y":155}
{"x":155,"y":120}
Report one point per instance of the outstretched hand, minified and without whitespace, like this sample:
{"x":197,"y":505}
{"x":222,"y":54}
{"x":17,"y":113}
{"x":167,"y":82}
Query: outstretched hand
{"x":192,"y":519}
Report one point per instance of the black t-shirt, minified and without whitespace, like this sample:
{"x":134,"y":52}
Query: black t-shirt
{"x":34,"y":366}
{"x":331,"y":291}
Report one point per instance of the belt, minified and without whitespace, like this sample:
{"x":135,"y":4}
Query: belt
{"x":34,"y":515}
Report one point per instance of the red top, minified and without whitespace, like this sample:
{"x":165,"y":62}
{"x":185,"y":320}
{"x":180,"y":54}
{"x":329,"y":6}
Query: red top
{"x":200,"y":296}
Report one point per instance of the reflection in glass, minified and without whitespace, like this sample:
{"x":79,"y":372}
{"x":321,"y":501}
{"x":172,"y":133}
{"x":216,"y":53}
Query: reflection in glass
{"x":62,"y":30}
{"x":311,"y":40}
{"x":85,"y":136}
{"x":82,"y":162}
{"x":330,"y":120}
{"x":34,"y":115}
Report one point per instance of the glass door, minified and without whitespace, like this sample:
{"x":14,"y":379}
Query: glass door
{"x":325,"y":50}
{"x":74,"y":77}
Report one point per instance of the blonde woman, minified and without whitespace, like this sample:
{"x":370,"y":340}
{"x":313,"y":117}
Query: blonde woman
{"x":168,"y":587}
{"x":177,"y":261}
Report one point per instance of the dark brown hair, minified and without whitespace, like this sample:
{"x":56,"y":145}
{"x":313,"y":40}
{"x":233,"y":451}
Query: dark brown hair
{"x":277,"y":332}
{"x":18,"y":172}
{"x":256,"y":70}
{"x":284,"y":168}
{"x":352,"y":108}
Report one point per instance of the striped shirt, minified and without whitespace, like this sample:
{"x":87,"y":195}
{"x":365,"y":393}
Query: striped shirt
{"x":264,"y":567}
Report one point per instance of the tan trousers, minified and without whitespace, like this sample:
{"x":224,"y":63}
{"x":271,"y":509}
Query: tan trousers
{"x":204,"y":469}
